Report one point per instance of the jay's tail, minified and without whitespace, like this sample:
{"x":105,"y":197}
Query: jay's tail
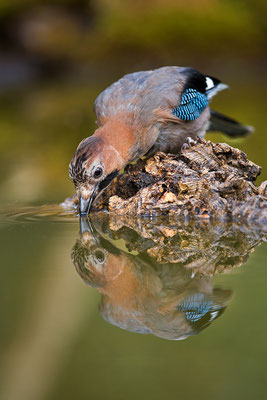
{"x":219,"y":122}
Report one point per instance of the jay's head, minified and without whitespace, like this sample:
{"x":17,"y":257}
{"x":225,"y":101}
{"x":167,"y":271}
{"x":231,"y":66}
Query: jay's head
{"x":94,"y":165}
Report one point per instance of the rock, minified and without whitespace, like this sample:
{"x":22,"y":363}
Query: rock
{"x":205,"y":180}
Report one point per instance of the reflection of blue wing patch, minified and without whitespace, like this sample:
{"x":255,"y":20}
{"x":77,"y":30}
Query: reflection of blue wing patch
{"x":191,"y":106}
{"x":195,"y":306}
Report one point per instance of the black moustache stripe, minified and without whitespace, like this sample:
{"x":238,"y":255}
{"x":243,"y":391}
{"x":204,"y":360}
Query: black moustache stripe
{"x":107,"y":180}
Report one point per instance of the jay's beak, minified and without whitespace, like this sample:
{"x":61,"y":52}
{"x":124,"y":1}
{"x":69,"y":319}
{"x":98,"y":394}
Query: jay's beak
{"x":86,"y":204}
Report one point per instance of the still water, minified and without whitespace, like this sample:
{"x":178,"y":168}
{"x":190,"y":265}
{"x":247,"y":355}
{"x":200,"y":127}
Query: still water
{"x":112,"y":308}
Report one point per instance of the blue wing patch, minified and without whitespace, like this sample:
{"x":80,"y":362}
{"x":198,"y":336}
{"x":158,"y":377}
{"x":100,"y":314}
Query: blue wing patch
{"x":191,"y":106}
{"x":195,"y":306}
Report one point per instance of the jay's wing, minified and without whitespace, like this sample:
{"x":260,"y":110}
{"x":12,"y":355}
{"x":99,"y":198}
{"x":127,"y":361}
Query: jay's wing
{"x":172,"y":94}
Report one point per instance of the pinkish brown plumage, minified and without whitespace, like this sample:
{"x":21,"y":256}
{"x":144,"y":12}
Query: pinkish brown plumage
{"x":140,"y":114}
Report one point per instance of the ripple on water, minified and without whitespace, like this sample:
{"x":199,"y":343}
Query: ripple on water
{"x":45,"y":213}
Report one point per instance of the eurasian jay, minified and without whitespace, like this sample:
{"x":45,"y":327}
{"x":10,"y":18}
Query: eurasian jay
{"x":142,"y":113}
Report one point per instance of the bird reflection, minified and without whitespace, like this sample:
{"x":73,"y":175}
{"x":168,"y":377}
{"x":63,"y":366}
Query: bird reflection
{"x":142,"y":290}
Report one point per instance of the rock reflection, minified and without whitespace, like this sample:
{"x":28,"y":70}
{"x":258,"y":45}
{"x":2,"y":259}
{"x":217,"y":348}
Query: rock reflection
{"x":157,"y":276}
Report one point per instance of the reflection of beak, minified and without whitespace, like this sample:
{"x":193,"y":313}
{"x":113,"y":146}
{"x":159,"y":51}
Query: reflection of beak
{"x":87,"y":227}
{"x":86,"y":204}
{"x":84,"y":226}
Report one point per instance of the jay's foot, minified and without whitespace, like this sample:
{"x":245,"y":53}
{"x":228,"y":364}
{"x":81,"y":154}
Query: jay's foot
{"x":189,"y":143}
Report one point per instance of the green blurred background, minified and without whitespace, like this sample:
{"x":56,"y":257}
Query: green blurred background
{"x":57,"y":56}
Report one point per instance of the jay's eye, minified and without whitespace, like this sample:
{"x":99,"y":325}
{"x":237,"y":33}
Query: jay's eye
{"x":99,"y":256}
{"x":98,"y":173}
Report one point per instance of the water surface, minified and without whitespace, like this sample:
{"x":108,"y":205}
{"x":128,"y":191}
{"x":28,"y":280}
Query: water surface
{"x":111,"y":309}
